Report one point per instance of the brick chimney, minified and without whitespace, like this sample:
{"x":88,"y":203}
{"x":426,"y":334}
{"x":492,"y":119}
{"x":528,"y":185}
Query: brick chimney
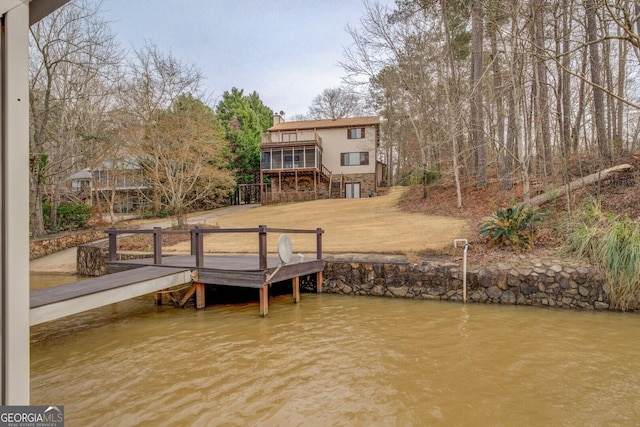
{"x":278,"y":118}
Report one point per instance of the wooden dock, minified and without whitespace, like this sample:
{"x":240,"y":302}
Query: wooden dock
{"x":257,"y":271}
{"x":127,"y":279}
{"x":64,"y":300}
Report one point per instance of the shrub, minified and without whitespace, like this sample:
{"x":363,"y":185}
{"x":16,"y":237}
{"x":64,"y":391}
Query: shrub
{"x":72,"y":216}
{"x":514,"y":227}
{"x":613,"y":244}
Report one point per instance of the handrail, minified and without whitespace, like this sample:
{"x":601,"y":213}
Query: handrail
{"x":197,"y":240}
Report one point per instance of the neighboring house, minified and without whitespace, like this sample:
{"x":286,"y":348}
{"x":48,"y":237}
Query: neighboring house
{"x":121,"y":180}
{"x":319,"y":159}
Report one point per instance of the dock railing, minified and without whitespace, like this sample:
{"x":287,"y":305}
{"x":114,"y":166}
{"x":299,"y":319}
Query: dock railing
{"x":197,"y":240}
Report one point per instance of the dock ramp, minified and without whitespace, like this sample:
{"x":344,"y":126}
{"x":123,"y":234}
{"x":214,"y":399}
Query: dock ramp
{"x":64,"y":300}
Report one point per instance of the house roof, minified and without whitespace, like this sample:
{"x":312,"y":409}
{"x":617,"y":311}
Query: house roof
{"x":326,"y":124}
{"x":83,"y":174}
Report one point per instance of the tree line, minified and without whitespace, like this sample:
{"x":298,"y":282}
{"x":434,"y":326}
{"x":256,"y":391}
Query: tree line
{"x":500,"y":89}
{"x":92,"y":106}
{"x":469,"y":91}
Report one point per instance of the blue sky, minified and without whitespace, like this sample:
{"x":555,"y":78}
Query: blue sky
{"x":286,"y":50}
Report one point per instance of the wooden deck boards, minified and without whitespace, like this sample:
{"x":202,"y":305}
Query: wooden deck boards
{"x":64,"y":300}
{"x":230,"y":270}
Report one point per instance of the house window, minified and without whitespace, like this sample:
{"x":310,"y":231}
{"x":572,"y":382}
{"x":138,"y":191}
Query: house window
{"x":276,"y":159}
{"x":354,"y":159}
{"x":265,"y":161}
{"x":310,"y":157}
{"x":355,"y":133}
{"x":289,"y":137}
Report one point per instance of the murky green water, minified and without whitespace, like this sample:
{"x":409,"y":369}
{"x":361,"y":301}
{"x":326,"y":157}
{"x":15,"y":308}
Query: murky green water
{"x":340,"y":361}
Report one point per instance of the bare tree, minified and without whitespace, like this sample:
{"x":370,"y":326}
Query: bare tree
{"x":185,"y":156}
{"x":476,"y":107}
{"x":598,"y":94}
{"x":153,"y":81}
{"x":72,"y":68}
{"x":335,"y":103}
{"x":541,"y":91}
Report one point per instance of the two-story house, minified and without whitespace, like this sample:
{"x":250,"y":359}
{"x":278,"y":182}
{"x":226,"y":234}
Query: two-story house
{"x":319,"y":159}
{"x":118,"y":182}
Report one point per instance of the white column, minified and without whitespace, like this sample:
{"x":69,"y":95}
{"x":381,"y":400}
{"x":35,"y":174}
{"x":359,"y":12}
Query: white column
{"x":15,"y":205}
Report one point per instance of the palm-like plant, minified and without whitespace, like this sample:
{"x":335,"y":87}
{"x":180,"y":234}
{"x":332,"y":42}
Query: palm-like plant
{"x":514,"y":227}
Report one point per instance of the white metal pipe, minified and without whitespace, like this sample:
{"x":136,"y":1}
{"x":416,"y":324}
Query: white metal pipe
{"x":464,"y":265}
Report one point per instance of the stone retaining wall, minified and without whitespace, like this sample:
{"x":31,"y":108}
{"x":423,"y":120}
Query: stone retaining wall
{"x":91,"y":259}
{"x":524,"y":280}
{"x":41,"y":247}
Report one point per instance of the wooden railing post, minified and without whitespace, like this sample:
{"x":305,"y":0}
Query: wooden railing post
{"x":157,"y":245}
{"x":262,"y":246}
{"x":113,"y":244}
{"x":319,"y":243}
{"x":193,"y":240}
{"x":198,"y":245}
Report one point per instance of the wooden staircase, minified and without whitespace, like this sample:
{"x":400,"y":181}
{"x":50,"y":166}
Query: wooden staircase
{"x":336,"y":183}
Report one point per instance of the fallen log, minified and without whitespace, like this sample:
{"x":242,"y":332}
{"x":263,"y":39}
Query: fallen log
{"x":543,"y":198}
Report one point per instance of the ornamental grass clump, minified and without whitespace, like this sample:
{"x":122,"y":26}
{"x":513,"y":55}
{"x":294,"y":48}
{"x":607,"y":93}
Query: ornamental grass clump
{"x":613,"y":244}
{"x":515,"y":227}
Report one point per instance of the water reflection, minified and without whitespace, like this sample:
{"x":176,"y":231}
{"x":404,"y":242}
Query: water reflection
{"x":338,"y":360}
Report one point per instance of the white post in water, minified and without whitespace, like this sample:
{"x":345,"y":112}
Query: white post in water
{"x":466,"y":246}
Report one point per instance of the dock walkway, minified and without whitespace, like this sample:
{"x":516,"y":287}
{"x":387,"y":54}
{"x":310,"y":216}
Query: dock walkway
{"x":64,"y":300}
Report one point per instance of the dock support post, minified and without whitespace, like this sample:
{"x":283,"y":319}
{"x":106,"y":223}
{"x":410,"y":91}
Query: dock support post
{"x":157,"y":297}
{"x":264,"y":300}
{"x":296,"y":290}
{"x":197,"y":246}
{"x":319,"y":282}
{"x":157,"y":245}
{"x":200,"y":300}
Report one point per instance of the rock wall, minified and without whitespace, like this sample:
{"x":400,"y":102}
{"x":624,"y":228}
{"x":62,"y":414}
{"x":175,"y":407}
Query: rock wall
{"x":41,"y":247}
{"x":524,"y":280}
{"x":91,"y":259}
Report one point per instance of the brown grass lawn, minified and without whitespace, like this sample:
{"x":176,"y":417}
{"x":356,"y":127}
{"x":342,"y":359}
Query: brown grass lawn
{"x":371,"y":225}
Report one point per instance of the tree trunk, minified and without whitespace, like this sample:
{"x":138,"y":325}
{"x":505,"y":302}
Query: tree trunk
{"x":541,"y":95}
{"x":477,"y":115}
{"x":565,"y":81}
{"x":622,"y":73}
{"x":454,"y":101}
{"x":598,"y":95}
{"x":37,"y":218}
{"x":112,"y":201}
{"x":505,"y":167}
{"x":575,"y":132}
{"x":53,"y":214}
{"x":575,"y":185}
